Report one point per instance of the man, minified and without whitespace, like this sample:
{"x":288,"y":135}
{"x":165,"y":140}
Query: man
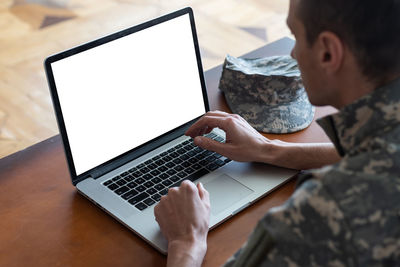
{"x":346,"y":213}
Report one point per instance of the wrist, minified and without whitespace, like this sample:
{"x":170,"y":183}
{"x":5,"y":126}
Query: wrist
{"x":186,"y":253}
{"x":273,"y":152}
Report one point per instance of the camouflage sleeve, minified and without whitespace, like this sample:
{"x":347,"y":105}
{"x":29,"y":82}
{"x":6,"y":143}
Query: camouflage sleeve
{"x":308,"y":230}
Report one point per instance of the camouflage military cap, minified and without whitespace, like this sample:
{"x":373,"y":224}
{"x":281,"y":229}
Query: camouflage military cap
{"x":267,"y":92}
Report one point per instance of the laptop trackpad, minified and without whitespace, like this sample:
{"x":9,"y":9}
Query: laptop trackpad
{"x":224,"y":192}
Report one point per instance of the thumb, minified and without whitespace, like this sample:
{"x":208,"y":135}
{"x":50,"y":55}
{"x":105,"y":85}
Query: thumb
{"x":209,"y":144}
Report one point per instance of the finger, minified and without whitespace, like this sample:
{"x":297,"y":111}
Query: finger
{"x":203,"y":193}
{"x":157,"y":213}
{"x":196,"y":129}
{"x":210,"y":144}
{"x":206,"y":121}
{"x":188,"y":186}
{"x":218,"y":113}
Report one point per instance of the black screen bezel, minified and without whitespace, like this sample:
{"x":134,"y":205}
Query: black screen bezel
{"x":144,"y":148}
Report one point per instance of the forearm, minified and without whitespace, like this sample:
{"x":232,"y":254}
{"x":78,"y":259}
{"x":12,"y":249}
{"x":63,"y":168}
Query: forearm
{"x":182,"y":254}
{"x":300,"y":156}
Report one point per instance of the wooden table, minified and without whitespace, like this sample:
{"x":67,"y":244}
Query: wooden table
{"x":45,"y":222}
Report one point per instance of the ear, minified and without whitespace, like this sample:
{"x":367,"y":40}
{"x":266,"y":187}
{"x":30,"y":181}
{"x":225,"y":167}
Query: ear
{"x":331,"y":52}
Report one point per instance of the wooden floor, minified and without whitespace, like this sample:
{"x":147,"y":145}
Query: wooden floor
{"x":30,"y":30}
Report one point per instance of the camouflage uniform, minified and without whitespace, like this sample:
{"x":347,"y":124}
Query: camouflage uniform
{"x":346,"y":214}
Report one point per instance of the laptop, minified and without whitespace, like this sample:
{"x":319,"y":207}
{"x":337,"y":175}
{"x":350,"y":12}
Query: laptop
{"x":123,"y":103}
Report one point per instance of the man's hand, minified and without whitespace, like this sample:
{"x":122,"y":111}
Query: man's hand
{"x":243,"y":142}
{"x":183,"y":216}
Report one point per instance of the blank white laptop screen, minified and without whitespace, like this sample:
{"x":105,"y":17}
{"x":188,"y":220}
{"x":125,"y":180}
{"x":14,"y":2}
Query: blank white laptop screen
{"x":122,"y":94}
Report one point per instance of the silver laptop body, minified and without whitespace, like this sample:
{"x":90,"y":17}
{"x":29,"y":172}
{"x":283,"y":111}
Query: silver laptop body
{"x":122,"y":102}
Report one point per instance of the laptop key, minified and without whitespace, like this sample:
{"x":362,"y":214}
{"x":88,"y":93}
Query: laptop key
{"x":178,"y":168}
{"x":141,"y":206}
{"x":138,"y":198}
{"x":133,"y":169}
{"x":177,"y":161}
{"x":189,"y":170}
{"x":212,"y":166}
{"x":141,"y":165}
{"x":196,"y":166}
{"x":140,"y":188}
{"x":152,"y":166}
{"x":198,"y":150}
{"x":140,"y":180}
{"x":167,"y":182}
{"x":148,"y":184}
{"x":113,"y":186}
{"x":129,"y":178}
{"x":174,"y":154}
{"x":217,"y":155}
{"x":186,"y":164}
{"x":132,"y":184}
{"x":116,"y":178}
{"x":159,"y":187}
{"x":170,"y":164}
{"x":207,"y":153}
{"x":182,"y":175}
{"x":160,"y":162}
{"x":155,"y":172}
{"x":162,"y":169}
{"x":121,"y":190}
{"x":147,"y":176}
{"x":137,"y":174}
{"x":164,"y":176}
{"x":193,"y":176}
{"x":108,"y":182}
{"x":156,"y":197}
{"x":171,"y":172}
{"x":144,"y":170}
{"x":156,"y":180}
{"x":200,"y":156}
{"x":219,"y":139}
{"x":149,"y":201}
{"x":164,"y":192}
{"x":181,"y":151}
{"x":211,"y":135}
{"x":193,"y":160}
{"x":130,"y":194}
{"x":211,"y":158}
{"x":167,"y":158}
{"x":203,"y":162}
{"x":220,"y":162}
{"x":184,"y":157}
{"x":174,"y":178}
{"x":121,"y":182}
{"x":151,"y":191}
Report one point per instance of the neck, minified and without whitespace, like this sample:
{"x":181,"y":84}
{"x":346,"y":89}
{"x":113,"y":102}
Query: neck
{"x":357,"y":85}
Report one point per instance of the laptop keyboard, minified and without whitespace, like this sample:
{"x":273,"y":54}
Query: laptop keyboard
{"x":143,"y":185}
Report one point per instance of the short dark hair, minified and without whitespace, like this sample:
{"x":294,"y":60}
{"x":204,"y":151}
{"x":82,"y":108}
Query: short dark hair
{"x":371,"y":29}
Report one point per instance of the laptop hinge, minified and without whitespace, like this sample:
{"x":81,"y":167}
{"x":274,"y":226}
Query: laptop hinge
{"x":96,"y":173}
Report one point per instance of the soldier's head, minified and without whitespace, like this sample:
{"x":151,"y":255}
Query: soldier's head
{"x":336,"y":38}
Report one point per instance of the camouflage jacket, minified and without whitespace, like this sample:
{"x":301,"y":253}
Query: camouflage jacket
{"x":346,"y":214}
